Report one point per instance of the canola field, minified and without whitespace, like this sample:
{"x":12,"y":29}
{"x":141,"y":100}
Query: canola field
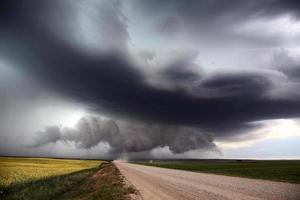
{"x":17,"y":170}
{"x":26,"y":176}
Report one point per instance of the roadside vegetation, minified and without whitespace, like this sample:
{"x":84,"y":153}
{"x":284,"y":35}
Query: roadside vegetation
{"x":276,"y":170}
{"x":42,"y":178}
{"x":107,"y":183}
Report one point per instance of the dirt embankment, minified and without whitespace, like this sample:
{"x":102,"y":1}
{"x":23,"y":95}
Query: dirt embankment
{"x":106,"y":183}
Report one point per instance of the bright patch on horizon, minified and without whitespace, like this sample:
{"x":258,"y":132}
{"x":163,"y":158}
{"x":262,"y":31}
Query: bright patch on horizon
{"x":272,"y":129}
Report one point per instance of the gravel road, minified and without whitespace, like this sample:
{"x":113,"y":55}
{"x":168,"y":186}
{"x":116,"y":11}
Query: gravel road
{"x":158,"y":183}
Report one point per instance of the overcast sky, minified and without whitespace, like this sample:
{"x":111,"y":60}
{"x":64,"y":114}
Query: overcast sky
{"x":162,"y":79}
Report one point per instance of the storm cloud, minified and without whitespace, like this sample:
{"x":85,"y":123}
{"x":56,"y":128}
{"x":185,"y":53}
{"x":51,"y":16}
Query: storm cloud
{"x":127,"y":137}
{"x":83,"y":51}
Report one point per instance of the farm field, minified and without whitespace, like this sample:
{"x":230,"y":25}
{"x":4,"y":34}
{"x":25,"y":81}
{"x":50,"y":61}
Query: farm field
{"x":171,"y":184}
{"x":43,"y":178}
{"x":276,"y":170}
{"x":19,"y":170}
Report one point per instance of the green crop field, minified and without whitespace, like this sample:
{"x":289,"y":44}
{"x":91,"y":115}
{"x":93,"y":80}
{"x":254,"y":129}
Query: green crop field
{"x":281,"y":170}
{"x":41,"y":178}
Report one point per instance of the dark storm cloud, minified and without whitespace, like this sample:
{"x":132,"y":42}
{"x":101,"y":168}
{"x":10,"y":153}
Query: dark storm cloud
{"x":110,"y":82}
{"x":243,"y":85}
{"x":180,"y":72}
{"x":126,"y":136}
{"x":287,"y":64}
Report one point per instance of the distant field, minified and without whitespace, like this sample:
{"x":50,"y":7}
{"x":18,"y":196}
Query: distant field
{"x":287,"y":171}
{"x":41,"y":178}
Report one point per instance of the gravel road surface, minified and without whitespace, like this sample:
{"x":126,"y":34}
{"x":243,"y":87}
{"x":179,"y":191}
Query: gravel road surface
{"x":158,"y":183}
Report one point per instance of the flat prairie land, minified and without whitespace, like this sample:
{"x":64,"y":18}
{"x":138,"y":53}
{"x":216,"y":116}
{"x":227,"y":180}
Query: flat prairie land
{"x":171,"y":184}
{"x":276,"y":170}
{"x":44,"y":178}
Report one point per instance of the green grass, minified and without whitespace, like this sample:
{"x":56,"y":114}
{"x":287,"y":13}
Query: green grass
{"x":42,"y":178}
{"x":286,"y":171}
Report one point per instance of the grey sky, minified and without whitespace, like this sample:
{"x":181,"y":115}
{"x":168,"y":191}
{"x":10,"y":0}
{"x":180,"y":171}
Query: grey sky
{"x":186,"y":76}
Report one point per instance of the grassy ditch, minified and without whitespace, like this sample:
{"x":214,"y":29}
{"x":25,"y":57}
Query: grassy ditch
{"x":106,"y":183}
